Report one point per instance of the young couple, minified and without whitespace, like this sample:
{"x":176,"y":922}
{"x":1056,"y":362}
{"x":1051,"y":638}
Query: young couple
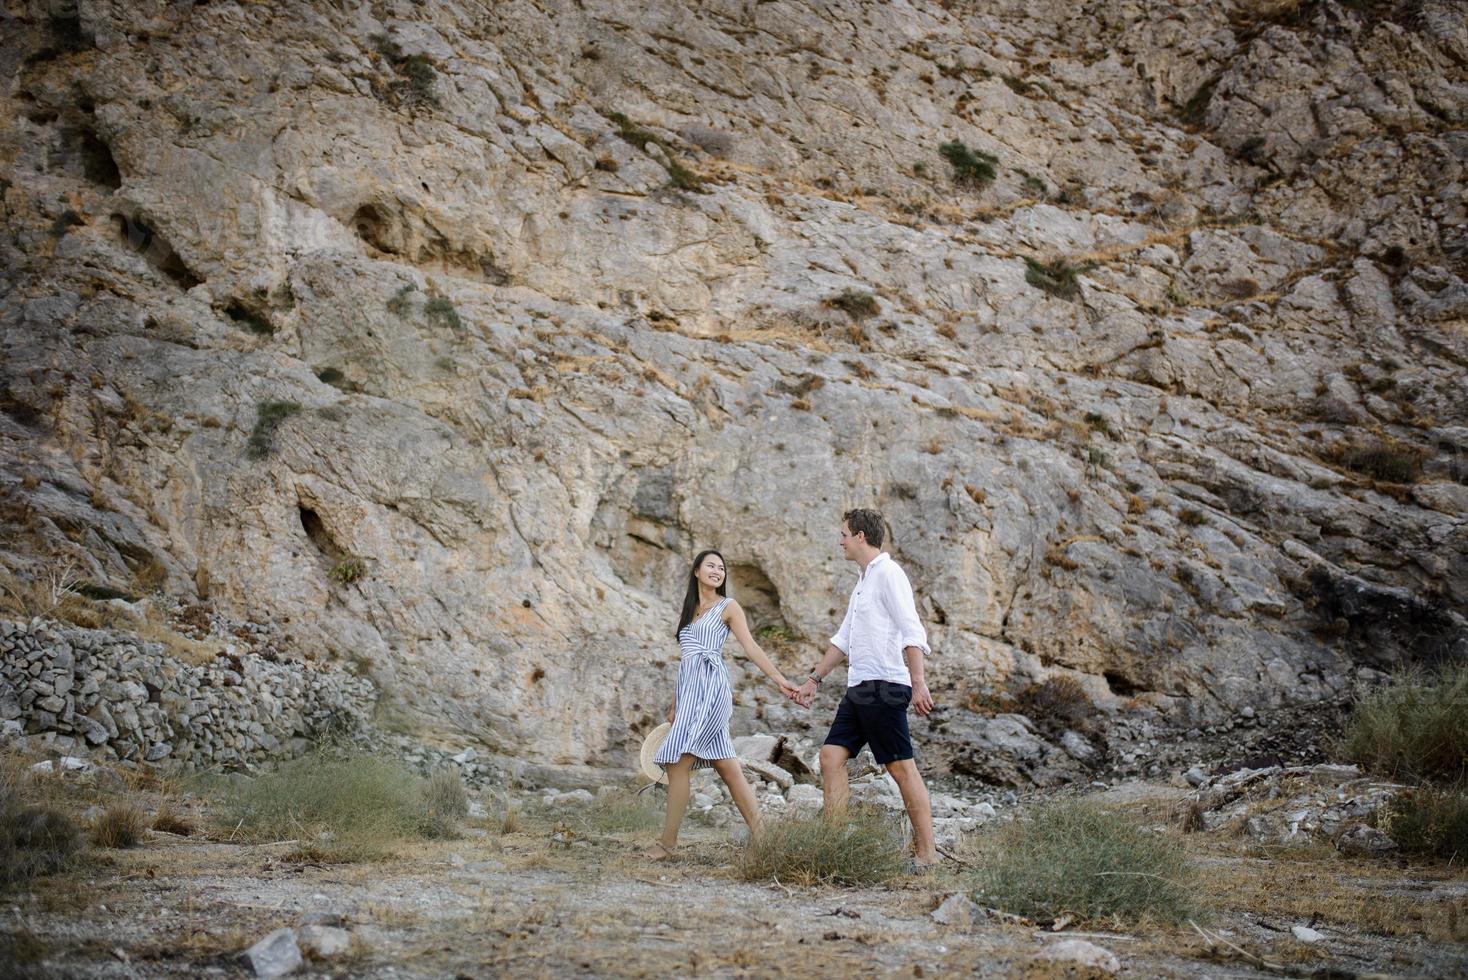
{"x":884,"y":644}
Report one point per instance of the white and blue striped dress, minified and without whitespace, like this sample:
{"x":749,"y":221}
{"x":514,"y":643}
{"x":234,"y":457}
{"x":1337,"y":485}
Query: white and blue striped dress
{"x":705,"y":700}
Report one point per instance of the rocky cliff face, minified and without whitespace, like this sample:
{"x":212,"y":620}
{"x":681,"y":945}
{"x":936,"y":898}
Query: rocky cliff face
{"x":441,"y":336}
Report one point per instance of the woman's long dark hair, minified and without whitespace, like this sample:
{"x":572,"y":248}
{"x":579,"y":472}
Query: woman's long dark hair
{"x":690,"y":601}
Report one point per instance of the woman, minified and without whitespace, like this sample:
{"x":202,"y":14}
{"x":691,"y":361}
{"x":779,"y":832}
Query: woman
{"x":699,"y":738}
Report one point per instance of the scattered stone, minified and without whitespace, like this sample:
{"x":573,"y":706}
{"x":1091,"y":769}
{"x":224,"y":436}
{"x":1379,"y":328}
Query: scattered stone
{"x":757,"y":748}
{"x":1365,"y":841}
{"x":322,"y":942}
{"x":467,"y":756}
{"x":1196,"y":776}
{"x":1305,"y":934}
{"x":1083,"y":954}
{"x":957,"y":910}
{"x":275,"y":955}
{"x":319,"y":917}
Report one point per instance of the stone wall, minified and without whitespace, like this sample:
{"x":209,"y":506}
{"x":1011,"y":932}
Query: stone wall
{"x":119,"y":696}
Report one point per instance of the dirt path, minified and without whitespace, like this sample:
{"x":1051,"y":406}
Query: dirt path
{"x":543,"y":902}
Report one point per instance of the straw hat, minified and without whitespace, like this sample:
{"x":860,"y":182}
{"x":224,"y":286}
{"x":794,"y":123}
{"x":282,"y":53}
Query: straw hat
{"x":651,"y":742}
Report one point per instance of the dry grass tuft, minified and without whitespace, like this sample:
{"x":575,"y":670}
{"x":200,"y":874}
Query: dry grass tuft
{"x":625,"y":813}
{"x":1415,"y":726}
{"x":340,"y":807}
{"x":1430,"y":821}
{"x":120,"y":825}
{"x":1077,"y":858}
{"x":173,"y":819}
{"x":864,"y":848}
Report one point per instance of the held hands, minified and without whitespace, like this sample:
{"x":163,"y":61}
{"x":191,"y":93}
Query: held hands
{"x":805,"y":695}
{"x":789,"y":690}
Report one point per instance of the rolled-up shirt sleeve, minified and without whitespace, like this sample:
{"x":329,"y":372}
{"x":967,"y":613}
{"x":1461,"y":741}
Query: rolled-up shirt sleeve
{"x":897,"y":594}
{"x":842,"y":640}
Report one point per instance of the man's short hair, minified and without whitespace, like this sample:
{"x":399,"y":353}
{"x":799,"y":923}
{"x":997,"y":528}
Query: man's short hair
{"x":866,"y":522}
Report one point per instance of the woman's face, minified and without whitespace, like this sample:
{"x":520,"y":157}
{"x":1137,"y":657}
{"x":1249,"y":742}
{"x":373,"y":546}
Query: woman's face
{"x":710,"y":571}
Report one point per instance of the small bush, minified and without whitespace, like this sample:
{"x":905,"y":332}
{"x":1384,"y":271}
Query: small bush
{"x":684,"y":179}
{"x":856,"y":303}
{"x":332,"y":376}
{"x":1191,"y":516}
{"x":1386,"y":459}
{"x":971,"y":168}
{"x":863,"y":848}
{"x":1057,"y":703}
{"x":340,"y":807}
{"x":1075,"y":857}
{"x":173,"y":819}
{"x":349,"y":569}
{"x":446,"y":803}
{"x":414,"y":85}
{"x":120,"y":825}
{"x":34,"y":840}
{"x":1429,"y":822}
{"x":401,"y":304}
{"x":268,"y":415}
{"x":1241,"y":288}
{"x":1413,"y":727}
{"x":441,"y":312}
{"x":1057,"y":278}
{"x":1098,"y":423}
{"x":625,"y":813}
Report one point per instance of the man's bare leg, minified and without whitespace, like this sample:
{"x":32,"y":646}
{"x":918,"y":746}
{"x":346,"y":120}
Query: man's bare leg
{"x":919,"y":809}
{"x":834,"y":788}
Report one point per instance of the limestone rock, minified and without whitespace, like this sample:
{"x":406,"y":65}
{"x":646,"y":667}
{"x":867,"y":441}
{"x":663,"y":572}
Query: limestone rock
{"x":274,"y":955}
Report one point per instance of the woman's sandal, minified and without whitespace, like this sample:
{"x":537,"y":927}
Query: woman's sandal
{"x":657,"y":852}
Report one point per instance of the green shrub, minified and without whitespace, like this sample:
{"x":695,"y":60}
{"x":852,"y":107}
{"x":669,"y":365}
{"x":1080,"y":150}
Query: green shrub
{"x":1075,"y":857}
{"x":1385,"y":459}
{"x":1191,"y":516}
{"x":268,"y":415}
{"x":34,"y":840}
{"x":684,"y":179}
{"x":1413,"y":727}
{"x":416,"y":75}
{"x":348,"y":569}
{"x":340,"y":807}
{"x":401,"y":305}
{"x":856,"y":303}
{"x":1429,"y":821}
{"x":441,"y":312}
{"x":1058,"y":278}
{"x":972,"y":168}
{"x":120,"y":825}
{"x":862,"y":848}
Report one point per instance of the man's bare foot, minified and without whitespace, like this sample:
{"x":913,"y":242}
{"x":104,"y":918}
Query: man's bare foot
{"x":658,"y":852}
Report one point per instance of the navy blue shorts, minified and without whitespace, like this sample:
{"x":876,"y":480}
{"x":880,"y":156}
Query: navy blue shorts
{"x":874,"y":712}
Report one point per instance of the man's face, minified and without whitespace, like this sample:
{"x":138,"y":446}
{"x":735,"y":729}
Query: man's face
{"x":850,"y":542}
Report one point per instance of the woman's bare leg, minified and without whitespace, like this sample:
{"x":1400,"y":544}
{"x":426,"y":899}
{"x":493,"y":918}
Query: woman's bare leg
{"x":732,"y":773}
{"x":680,"y":778}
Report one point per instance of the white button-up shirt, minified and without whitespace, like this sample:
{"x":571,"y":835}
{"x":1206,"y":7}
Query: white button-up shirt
{"x":881,"y":621}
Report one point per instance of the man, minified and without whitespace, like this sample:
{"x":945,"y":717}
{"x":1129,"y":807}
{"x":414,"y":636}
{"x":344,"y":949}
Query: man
{"x":884,"y":643}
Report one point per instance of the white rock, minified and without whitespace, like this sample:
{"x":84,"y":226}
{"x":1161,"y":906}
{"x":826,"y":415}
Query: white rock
{"x":323,"y":942}
{"x":1305,"y":934}
{"x":1082,"y":953}
{"x":760,"y":748}
{"x":956,"y":910}
{"x":275,"y":955}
